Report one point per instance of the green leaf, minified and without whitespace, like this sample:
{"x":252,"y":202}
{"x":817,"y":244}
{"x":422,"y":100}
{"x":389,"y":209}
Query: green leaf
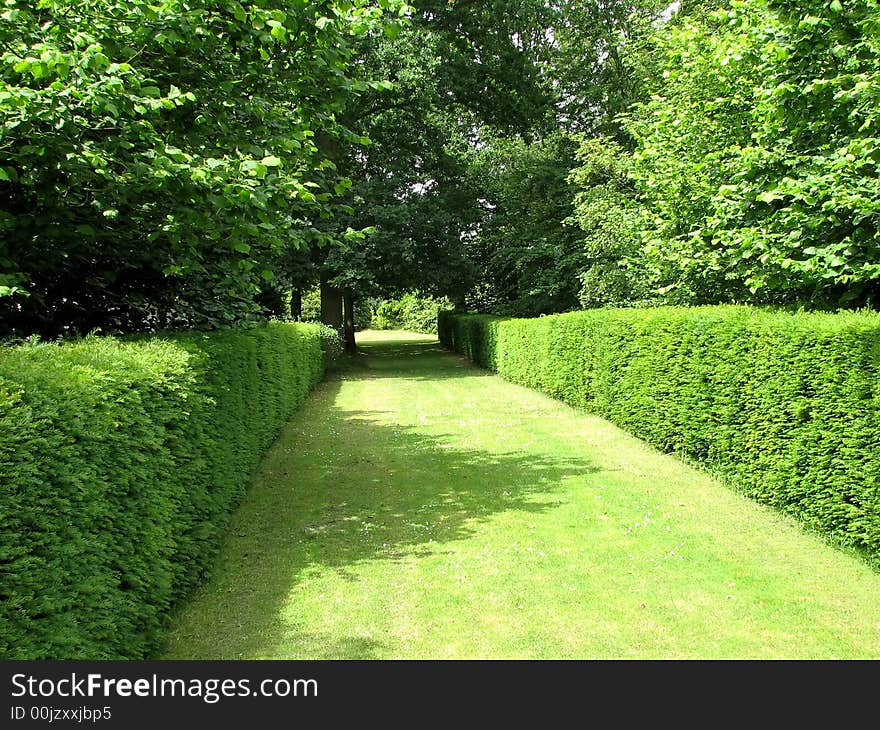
{"x":278,"y":31}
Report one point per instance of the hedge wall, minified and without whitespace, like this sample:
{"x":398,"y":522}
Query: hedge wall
{"x":784,"y":406}
{"x":120,"y":463}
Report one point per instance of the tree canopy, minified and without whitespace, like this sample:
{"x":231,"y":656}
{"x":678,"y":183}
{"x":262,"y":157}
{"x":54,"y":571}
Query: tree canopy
{"x":157,"y":159}
{"x":189,"y":163}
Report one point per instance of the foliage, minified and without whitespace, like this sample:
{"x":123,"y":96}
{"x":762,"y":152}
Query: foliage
{"x":689,"y":137}
{"x":332,"y":344}
{"x":412,"y":313}
{"x":490,"y":56}
{"x":756,"y":154}
{"x":727,"y":154}
{"x":363,"y":312}
{"x":407,"y":183}
{"x":186,"y":163}
{"x":800,"y":215}
{"x":607,"y":210}
{"x":596,"y":66}
{"x":459,"y":72}
{"x":122,"y":460}
{"x":311,"y":305}
{"x":158,"y":160}
{"x":782,"y":405}
{"x":528,"y":257}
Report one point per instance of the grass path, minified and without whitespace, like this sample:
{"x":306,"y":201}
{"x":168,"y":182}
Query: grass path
{"x":421,"y":508}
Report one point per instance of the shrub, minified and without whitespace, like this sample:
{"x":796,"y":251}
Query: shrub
{"x":332,"y":344}
{"x":412,"y":312}
{"x":784,"y":406}
{"x":311,"y":305}
{"x":121,"y":461}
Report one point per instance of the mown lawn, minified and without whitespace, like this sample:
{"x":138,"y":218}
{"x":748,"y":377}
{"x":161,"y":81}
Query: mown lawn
{"x":418,"y":507}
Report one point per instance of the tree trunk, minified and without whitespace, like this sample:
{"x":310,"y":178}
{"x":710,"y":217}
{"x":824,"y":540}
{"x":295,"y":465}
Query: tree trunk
{"x":348,"y":307}
{"x":296,"y":305}
{"x":458,"y":303}
{"x":331,"y":304}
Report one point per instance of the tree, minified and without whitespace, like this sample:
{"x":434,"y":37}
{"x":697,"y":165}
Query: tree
{"x":158,"y":160}
{"x":460,"y":67}
{"x":608,"y":211}
{"x":594,"y":67}
{"x":756,"y":154}
{"x":689,"y":134}
{"x":800,"y":216}
{"x":529,"y":256}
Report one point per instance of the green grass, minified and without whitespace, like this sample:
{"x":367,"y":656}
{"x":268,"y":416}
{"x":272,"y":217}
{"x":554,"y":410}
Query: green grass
{"x":418,"y":507}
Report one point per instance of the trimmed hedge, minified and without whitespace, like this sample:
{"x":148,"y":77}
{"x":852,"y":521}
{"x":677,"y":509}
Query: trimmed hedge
{"x":785,"y":406}
{"x":121,"y":461}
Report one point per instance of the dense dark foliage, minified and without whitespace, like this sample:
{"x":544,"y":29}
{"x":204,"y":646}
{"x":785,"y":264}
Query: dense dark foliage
{"x":158,"y":161}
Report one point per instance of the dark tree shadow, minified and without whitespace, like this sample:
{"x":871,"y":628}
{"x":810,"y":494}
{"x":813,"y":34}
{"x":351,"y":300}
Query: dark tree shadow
{"x":384,"y":492}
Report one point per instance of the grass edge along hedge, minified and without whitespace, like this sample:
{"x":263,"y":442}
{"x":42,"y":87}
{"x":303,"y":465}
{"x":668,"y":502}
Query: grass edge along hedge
{"x":783,"y":406}
{"x":121,"y":461}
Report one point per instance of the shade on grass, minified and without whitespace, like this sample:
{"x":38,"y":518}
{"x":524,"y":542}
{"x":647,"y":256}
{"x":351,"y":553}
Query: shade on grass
{"x":418,"y":507}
